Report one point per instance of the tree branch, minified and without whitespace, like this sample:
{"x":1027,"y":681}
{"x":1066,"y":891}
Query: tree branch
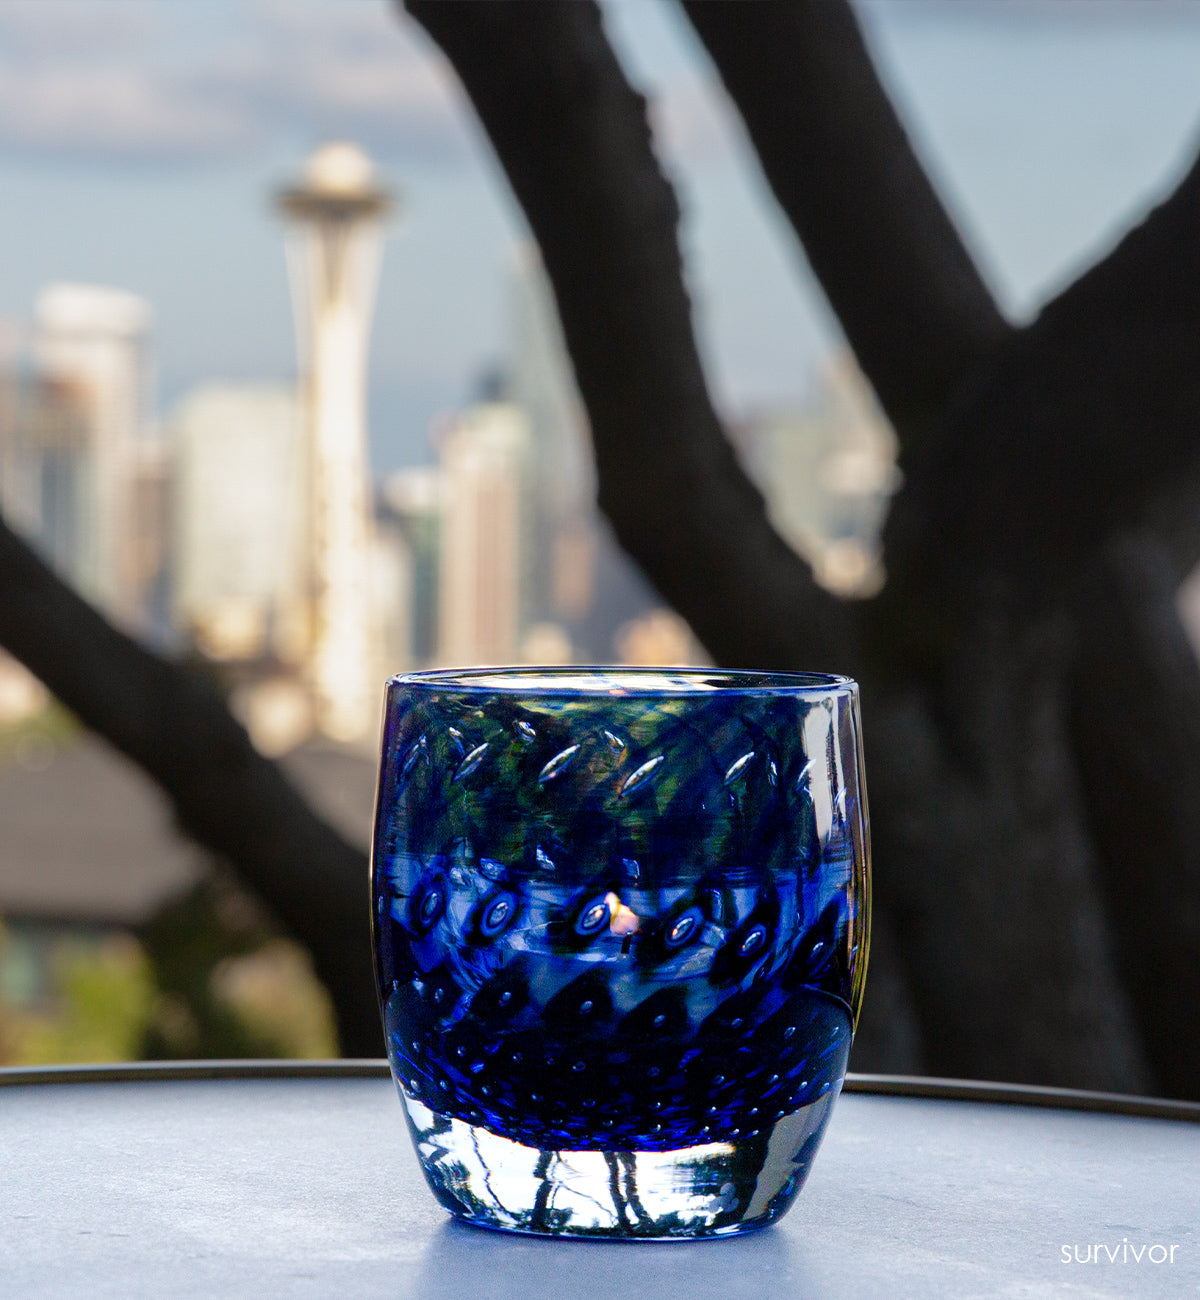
{"x":911,"y":301}
{"x":572,"y":136}
{"x":225,"y":794}
{"x":1135,"y":715}
{"x":1085,"y":428}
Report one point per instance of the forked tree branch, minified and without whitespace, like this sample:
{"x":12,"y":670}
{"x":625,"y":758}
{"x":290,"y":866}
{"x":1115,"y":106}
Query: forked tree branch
{"x":573,"y":138}
{"x":225,"y":795}
{"x":912,"y":303}
{"x":1085,"y":428}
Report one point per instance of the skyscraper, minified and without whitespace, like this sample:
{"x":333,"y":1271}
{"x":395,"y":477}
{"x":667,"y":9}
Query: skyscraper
{"x":484,"y":470}
{"x":412,"y":503}
{"x":333,"y":251}
{"x":240,"y":542}
{"x":18,"y":491}
{"x":560,"y":497}
{"x":89,"y":438}
{"x":20,"y":693}
{"x":580,"y":586}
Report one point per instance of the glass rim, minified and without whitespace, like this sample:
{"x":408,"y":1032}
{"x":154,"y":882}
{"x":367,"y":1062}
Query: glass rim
{"x":623,"y":681}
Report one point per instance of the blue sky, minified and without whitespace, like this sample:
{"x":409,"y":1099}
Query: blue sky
{"x":140,"y":144}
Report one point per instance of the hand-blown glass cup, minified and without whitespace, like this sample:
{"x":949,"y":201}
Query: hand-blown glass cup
{"x":620,"y":922}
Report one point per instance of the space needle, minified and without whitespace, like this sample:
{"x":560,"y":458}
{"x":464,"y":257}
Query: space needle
{"x":335,"y":218}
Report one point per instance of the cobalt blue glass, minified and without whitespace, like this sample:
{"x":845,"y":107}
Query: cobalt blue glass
{"x":620,"y":921}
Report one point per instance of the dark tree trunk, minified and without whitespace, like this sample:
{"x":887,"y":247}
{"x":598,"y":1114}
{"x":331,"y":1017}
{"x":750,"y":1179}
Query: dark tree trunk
{"x":1135,"y":713}
{"x":984,"y":862}
{"x":1020,"y":903}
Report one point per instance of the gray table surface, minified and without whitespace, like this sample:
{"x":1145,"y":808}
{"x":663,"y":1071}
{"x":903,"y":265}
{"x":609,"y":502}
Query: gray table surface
{"x":308,"y":1187}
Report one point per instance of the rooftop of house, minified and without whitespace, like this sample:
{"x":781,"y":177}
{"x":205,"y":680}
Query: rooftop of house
{"x":85,"y":837}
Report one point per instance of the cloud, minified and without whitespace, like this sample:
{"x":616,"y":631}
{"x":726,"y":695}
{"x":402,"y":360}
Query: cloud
{"x":143,"y":82}
{"x":365,"y":71}
{"x":37,"y":28}
{"x":146,"y":82}
{"x":111,"y":111}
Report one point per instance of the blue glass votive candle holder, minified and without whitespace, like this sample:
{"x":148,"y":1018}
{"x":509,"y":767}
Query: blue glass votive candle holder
{"x":621,"y":922}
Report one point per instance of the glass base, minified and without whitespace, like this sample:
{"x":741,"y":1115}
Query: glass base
{"x":715,"y":1190}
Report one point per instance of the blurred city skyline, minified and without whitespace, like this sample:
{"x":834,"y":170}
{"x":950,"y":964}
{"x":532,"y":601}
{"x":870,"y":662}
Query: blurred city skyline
{"x":242,"y":527}
{"x":140,"y":145}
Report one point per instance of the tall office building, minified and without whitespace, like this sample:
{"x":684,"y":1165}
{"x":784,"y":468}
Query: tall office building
{"x":21,"y":695}
{"x":10,"y":447}
{"x":560,"y":495}
{"x":583,"y":588}
{"x":335,"y":218}
{"x":88,"y":437}
{"x":393,"y":594}
{"x":412,"y":504}
{"x":484,"y":460}
{"x":239,"y":550}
